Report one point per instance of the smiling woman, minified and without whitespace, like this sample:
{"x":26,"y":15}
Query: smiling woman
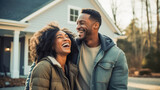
{"x":52,"y":50}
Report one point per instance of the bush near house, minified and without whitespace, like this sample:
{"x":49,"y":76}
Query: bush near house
{"x":152,"y":60}
{"x":145,"y":72}
{"x":9,"y":82}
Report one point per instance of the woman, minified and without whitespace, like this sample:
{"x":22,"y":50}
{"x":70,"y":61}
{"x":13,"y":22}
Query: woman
{"x":52,"y":50}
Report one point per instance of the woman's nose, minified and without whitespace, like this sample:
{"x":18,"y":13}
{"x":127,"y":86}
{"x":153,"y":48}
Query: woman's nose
{"x":66,"y":38}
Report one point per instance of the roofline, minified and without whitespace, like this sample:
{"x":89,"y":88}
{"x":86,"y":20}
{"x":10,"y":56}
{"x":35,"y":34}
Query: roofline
{"x":12,"y":25}
{"x":36,"y":13}
{"x":113,"y":26}
{"x":94,"y":2}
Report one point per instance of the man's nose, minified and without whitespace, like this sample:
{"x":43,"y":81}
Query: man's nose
{"x":78,"y":27}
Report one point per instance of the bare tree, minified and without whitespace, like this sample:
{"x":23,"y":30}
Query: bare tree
{"x":141,"y":56}
{"x":134,"y":31}
{"x":158,"y":39}
{"x":114,"y":9}
{"x":150,"y":12}
{"x":148,"y":23}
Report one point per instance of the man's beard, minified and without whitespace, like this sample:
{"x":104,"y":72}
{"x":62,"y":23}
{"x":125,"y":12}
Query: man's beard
{"x":81,"y":34}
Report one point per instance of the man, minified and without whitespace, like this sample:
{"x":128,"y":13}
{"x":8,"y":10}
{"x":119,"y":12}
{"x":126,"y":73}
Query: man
{"x":101,"y":63}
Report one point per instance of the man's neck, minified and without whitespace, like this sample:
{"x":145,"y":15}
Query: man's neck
{"x":92,"y":41}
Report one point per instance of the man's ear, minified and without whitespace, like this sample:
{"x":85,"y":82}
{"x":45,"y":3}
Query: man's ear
{"x":96,"y":25}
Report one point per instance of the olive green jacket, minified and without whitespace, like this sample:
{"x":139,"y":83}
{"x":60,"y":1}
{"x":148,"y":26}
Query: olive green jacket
{"x":48,"y":75}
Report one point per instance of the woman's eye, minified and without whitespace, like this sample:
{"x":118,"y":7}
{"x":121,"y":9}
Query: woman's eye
{"x":67,"y":36}
{"x":59,"y":37}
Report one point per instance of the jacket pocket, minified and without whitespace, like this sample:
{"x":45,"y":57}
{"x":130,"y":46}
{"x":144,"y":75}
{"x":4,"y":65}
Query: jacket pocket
{"x":106,"y":66}
{"x":103,"y":72}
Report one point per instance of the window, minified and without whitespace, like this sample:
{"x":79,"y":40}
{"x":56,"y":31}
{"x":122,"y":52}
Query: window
{"x":73,"y":14}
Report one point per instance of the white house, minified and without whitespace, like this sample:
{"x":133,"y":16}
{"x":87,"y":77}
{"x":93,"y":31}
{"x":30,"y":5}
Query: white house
{"x":15,"y":32}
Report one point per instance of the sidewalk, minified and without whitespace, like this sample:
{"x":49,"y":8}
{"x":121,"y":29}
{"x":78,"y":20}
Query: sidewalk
{"x":13,"y":88}
{"x":143,"y":86}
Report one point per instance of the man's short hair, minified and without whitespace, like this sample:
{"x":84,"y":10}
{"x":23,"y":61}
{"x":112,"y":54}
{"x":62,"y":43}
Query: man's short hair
{"x":93,"y":14}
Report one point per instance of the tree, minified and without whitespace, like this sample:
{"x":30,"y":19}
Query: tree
{"x":128,"y":45}
{"x":148,"y":23}
{"x":114,"y":9}
{"x":158,"y":36}
{"x":134,"y":30}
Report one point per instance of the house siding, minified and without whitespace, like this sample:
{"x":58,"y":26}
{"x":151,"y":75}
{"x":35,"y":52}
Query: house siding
{"x":59,"y":13}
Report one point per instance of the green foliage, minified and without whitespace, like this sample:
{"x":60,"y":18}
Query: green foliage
{"x":132,"y":45}
{"x":137,"y":48}
{"x":153,"y":60}
{"x":127,"y":47}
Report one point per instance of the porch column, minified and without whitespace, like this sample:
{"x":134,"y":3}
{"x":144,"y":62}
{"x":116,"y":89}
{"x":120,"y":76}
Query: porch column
{"x":15,"y":62}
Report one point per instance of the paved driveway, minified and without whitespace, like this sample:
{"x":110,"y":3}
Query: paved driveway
{"x":13,"y":88}
{"x":143,"y":83}
{"x":133,"y":84}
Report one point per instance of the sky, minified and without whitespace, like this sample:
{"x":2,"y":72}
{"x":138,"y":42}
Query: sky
{"x":124,"y":14}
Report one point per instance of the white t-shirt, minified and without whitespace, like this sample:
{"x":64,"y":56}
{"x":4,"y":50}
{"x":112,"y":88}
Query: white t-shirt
{"x":86,"y":63}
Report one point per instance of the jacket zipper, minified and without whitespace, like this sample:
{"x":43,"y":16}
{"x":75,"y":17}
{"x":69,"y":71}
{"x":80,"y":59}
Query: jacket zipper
{"x":65,"y":78}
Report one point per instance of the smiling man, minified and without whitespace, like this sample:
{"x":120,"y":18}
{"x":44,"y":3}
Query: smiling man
{"x":102,"y":64}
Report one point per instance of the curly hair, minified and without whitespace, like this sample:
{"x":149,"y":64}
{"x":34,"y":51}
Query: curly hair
{"x":42,"y":42}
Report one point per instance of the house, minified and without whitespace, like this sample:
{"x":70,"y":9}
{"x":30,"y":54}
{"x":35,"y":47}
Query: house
{"x":19,"y":19}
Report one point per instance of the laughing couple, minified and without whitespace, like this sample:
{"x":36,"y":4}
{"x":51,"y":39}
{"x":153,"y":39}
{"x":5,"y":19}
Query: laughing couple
{"x":90,"y":62}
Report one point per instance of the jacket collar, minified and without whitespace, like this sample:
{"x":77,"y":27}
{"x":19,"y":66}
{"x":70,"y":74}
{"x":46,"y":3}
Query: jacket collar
{"x":72,"y":67}
{"x":54,"y":61}
{"x":106,"y":42}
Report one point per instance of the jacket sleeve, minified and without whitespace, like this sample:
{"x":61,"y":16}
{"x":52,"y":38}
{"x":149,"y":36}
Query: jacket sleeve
{"x":40,"y":76}
{"x":119,"y":77}
{"x":29,"y":75}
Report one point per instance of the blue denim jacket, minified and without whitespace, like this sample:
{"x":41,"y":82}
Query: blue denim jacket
{"x":110,"y":67}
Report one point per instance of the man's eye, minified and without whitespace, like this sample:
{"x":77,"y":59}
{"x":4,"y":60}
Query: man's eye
{"x":82,"y":23}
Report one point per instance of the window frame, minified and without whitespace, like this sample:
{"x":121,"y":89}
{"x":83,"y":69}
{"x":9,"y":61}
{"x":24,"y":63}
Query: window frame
{"x":74,"y":8}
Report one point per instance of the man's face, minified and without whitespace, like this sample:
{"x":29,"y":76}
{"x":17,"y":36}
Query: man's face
{"x":84,"y":26}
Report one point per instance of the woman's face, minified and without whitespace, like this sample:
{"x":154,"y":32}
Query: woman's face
{"x":62,"y":43}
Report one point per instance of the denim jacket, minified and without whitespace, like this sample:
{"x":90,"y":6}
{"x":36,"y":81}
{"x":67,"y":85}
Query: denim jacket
{"x":110,"y":70}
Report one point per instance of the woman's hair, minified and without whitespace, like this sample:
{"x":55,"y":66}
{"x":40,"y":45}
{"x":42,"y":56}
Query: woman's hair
{"x":42,"y":42}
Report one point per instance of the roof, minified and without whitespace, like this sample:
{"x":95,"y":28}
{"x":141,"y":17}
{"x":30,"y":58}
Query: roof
{"x":25,"y":10}
{"x":12,"y":25}
{"x":19,"y":9}
{"x":94,"y":2}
